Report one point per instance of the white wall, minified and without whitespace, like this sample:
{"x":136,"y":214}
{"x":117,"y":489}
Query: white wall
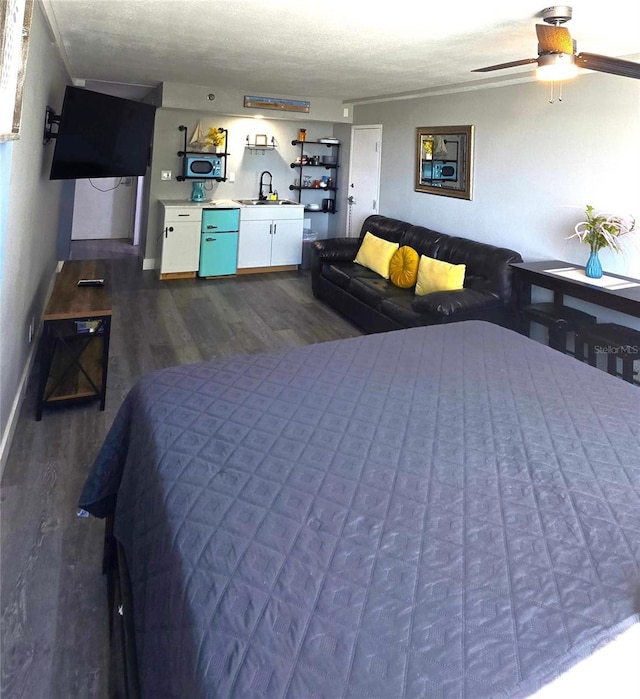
{"x":536,"y":165}
{"x":230,"y":100}
{"x":28,"y":253}
{"x":104,"y":208}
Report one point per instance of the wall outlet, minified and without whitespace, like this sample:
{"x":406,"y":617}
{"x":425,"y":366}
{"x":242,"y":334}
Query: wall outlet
{"x":165,"y":175}
{"x":232,"y":177}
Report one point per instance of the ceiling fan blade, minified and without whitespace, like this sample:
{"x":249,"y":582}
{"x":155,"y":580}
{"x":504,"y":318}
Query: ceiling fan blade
{"x":607,"y":64}
{"x":500,"y":66}
{"x":554,"y":39}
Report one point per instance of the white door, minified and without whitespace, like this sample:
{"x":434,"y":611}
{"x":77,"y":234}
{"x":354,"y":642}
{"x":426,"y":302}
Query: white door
{"x":364,"y":176}
{"x":286,"y":243}
{"x":104,"y":208}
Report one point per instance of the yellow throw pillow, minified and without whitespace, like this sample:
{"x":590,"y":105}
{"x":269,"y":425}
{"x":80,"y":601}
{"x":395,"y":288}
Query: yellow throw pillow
{"x":403,"y":268}
{"x":436,"y":275}
{"x":375,"y":254}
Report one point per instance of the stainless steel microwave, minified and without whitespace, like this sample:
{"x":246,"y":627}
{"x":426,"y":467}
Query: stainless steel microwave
{"x":202,"y":167}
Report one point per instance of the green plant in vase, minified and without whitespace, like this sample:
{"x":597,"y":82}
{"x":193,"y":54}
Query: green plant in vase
{"x":601,"y":231}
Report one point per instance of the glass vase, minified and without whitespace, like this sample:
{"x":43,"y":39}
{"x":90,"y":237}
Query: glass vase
{"x":593,"y":268}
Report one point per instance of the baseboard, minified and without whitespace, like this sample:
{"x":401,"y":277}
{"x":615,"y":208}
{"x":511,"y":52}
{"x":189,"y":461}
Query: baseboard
{"x":177,"y":275}
{"x":262,"y":270}
{"x":148,"y":263}
{"x":14,"y":413}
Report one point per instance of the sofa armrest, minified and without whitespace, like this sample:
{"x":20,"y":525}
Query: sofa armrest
{"x":337,"y":249}
{"x":448,"y":303}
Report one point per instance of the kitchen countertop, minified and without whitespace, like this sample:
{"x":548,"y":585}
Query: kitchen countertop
{"x":206,"y":204}
{"x":212,"y":203}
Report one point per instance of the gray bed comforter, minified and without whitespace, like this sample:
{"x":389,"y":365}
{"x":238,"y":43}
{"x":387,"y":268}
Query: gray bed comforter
{"x":448,"y":511}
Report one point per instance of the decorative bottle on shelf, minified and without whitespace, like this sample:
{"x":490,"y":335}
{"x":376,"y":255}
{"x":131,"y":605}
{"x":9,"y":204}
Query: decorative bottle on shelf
{"x":593,"y":267}
{"x":302,"y":134}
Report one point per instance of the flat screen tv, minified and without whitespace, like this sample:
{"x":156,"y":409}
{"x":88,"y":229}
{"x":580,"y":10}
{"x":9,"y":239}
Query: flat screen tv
{"x":101,"y":136}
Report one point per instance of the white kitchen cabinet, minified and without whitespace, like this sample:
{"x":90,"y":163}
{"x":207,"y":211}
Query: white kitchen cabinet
{"x":254,"y":243}
{"x":179,"y":241}
{"x":270,"y":238}
{"x":286,"y":242}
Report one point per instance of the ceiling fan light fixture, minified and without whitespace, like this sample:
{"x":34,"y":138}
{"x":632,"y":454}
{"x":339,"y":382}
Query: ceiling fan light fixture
{"x":555,"y":67}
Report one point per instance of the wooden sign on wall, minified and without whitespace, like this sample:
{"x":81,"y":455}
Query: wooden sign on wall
{"x":283,"y":105}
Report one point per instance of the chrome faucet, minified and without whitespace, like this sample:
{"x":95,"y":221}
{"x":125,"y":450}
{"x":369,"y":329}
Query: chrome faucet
{"x":262,"y":196}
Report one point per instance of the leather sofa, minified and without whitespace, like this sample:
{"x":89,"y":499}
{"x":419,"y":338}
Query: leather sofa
{"x":375,"y":305}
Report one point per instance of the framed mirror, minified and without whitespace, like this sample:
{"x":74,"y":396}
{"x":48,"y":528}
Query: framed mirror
{"x":444,"y":160}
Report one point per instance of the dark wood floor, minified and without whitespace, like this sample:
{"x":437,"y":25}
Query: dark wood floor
{"x":53,"y":596}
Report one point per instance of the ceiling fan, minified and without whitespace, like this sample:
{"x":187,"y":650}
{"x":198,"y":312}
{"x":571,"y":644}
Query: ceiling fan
{"x":557,"y":58}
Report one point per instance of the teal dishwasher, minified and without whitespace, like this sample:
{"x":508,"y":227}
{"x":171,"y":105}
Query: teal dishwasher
{"x":219,"y":242}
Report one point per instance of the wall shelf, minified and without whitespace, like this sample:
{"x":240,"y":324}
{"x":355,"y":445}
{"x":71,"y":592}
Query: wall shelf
{"x":329,"y":202}
{"x":261,"y":146}
{"x":295,"y":188}
{"x":296,"y":142}
{"x":185,"y":152}
{"x":326,"y":166}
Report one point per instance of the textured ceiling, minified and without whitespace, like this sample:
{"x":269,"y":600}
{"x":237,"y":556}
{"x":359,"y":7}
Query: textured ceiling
{"x":347,"y":50}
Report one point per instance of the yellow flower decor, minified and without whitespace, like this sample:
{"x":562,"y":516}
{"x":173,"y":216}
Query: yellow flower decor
{"x":215,"y":137}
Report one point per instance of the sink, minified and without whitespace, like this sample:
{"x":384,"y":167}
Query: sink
{"x":267,"y":202}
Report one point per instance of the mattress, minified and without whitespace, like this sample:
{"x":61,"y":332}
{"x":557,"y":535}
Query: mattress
{"x":450,"y":511}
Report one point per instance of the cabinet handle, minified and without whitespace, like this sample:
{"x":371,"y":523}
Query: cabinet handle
{"x":184,"y":214}
{"x":271,"y":229}
{"x":167,"y":231}
{"x":209,"y":228}
{"x":275,"y":228}
{"x":210,"y":240}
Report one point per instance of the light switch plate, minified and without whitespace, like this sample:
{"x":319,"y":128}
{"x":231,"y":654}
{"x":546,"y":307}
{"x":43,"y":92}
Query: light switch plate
{"x":165,"y":175}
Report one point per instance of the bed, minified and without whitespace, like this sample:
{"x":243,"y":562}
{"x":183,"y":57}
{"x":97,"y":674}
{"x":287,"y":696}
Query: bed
{"x":451,"y":511}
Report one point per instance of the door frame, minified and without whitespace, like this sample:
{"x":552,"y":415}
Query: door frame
{"x":360,"y":127}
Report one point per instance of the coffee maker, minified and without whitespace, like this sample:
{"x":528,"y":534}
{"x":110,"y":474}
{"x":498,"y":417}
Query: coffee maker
{"x":197,"y":191}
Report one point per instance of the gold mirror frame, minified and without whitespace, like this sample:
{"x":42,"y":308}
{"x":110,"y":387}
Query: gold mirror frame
{"x":444,"y":160}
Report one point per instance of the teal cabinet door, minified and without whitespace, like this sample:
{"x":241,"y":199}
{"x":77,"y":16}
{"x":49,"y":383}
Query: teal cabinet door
{"x":218,"y":254}
{"x":215,"y":220}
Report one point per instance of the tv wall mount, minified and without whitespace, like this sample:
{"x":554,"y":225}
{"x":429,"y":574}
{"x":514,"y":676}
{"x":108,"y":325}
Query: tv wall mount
{"x":50,"y":118}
